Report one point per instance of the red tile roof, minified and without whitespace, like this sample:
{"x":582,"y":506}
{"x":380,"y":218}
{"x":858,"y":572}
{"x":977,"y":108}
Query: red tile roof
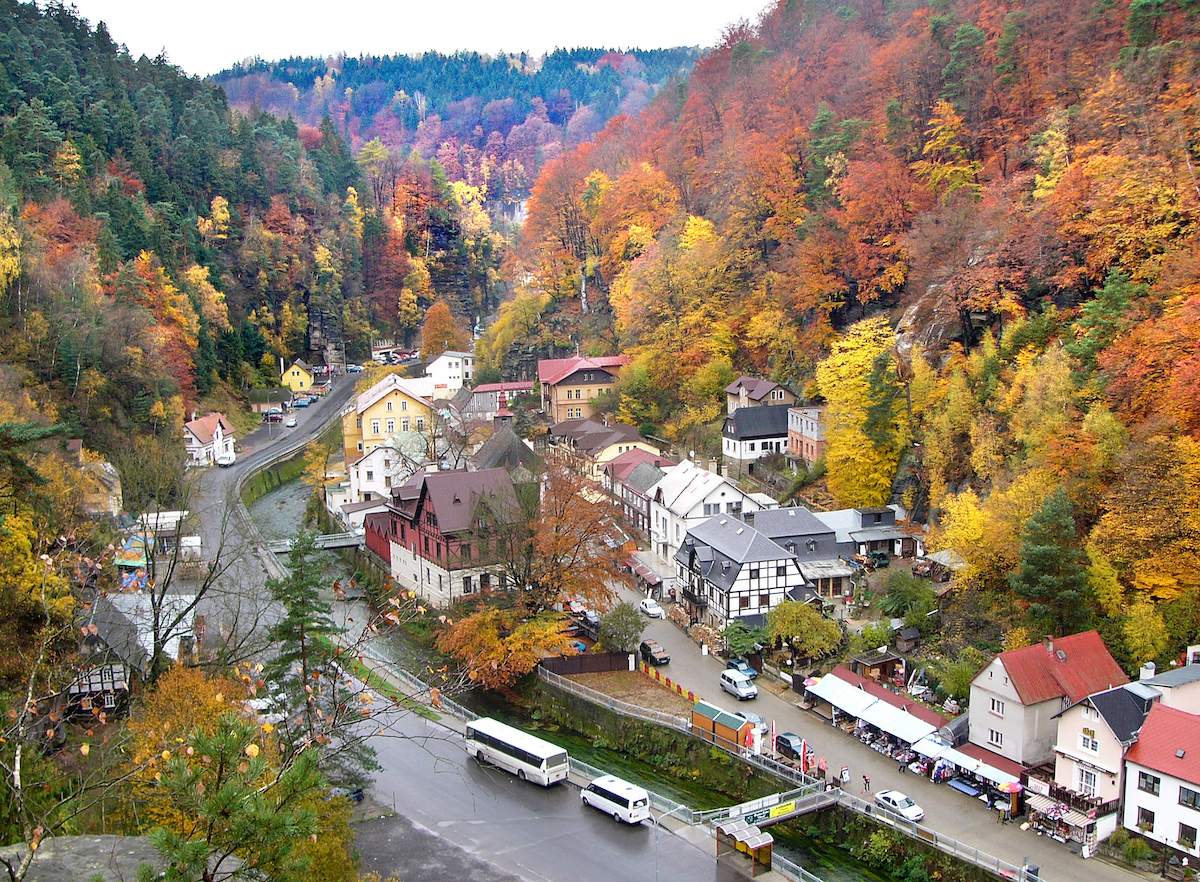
{"x":515,"y":386}
{"x":555,"y":370}
{"x":1166,"y":734}
{"x":904,"y":702}
{"x":621,"y":465}
{"x":1073,"y":666}
{"x":995,"y":760}
{"x":204,"y":427}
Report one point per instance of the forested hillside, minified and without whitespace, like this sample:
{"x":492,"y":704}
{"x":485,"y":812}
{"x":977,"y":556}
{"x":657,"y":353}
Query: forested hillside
{"x":490,"y":121}
{"x":159,"y":249}
{"x":1012,"y":185}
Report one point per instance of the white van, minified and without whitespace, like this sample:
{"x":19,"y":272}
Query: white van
{"x":738,"y":685}
{"x":618,"y":798}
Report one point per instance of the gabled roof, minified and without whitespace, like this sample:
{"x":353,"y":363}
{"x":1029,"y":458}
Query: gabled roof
{"x":643,"y":476}
{"x":736,"y":540}
{"x":518,"y":386}
{"x":303,"y":365}
{"x":756,"y":389}
{"x":1169,"y":743}
{"x":507,"y":451}
{"x":623,"y":464}
{"x":780,"y":523}
{"x":1073,"y":667}
{"x":590,"y":437}
{"x":687,"y":485}
{"x":1123,"y":708}
{"x":554,"y":370}
{"x":751,"y":423}
{"x":455,"y":495}
{"x":390,"y":383}
{"x":206,"y":426}
{"x":1176,"y":677}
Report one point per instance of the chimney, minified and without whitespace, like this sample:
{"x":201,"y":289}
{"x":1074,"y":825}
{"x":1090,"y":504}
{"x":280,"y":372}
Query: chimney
{"x":712,"y":465}
{"x":1147,"y":671}
{"x":193,"y":415}
{"x":1048,"y":642}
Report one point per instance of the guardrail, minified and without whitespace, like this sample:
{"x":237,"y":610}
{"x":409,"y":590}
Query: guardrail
{"x":418,"y":688}
{"x":624,"y":708}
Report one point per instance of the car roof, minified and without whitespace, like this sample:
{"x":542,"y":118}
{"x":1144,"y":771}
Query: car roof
{"x":734,"y":673}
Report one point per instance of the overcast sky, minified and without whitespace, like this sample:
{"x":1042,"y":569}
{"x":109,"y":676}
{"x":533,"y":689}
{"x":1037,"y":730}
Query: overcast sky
{"x":204,"y":38}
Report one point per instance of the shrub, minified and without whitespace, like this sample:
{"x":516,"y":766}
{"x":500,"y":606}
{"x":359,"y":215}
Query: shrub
{"x":1137,"y":850}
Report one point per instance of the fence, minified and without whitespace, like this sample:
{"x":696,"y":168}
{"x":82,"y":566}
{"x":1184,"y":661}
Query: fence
{"x":614,"y":704}
{"x":587,"y":663}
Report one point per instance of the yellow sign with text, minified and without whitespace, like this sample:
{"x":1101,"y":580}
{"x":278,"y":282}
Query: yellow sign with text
{"x":784,"y":808}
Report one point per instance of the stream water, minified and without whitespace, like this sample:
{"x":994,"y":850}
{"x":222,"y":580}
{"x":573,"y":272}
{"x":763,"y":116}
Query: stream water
{"x":280,"y":514}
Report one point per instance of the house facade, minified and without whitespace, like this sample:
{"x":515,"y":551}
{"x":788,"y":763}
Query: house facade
{"x":570,"y":386}
{"x":1017,"y":696}
{"x":389,"y":407}
{"x":806,"y":434}
{"x":815,"y":546}
{"x":748,"y":391}
{"x":434,"y":545}
{"x":450,"y":372}
{"x":208,"y":439}
{"x":1162,"y":781}
{"x":628,"y":478}
{"x":728,"y":571}
{"x":863,"y":530}
{"x":299,"y":377}
{"x":750,"y":433}
{"x":687,"y":495}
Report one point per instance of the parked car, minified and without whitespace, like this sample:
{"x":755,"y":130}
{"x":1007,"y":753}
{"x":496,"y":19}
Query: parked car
{"x":353,"y":368}
{"x":354,"y":794}
{"x":738,"y":685}
{"x":752,"y":718}
{"x":740,"y":664}
{"x":273,"y":416}
{"x":653,"y":654}
{"x":895,"y":801}
{"x":789,"y":745}
{"x":651,"y":608}
{"x":291,"y":423}
{"x":302,"y":401}
{"x":225,"y":460}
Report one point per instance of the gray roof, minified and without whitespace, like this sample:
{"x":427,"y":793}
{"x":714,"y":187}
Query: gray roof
{"x":1123,"y":709}
{"x":590,"y":437}
{"x":644,"y":476}
{"x":1175,"y":677}
{"x":119,"y":634}
{"x":782,"y":522}
{"x":507,"y":451}
{"x":749,"y":423}
{"x":722,"y":545}
{"x":454,"y":496}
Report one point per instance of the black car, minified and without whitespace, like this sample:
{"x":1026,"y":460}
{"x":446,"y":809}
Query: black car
{"x":653,"y":654}
{"x":789,"y":745}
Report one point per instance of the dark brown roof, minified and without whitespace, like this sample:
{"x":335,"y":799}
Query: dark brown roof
{"x":454,"y":496}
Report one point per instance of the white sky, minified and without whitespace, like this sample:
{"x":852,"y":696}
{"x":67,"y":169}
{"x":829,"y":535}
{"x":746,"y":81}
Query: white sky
{"x":203,"y":38}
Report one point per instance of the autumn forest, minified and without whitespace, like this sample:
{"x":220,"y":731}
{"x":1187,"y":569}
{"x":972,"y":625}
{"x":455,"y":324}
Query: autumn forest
{"x":970,"y":230}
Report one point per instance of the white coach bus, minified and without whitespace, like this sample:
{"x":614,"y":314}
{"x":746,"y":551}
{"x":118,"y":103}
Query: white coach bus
{"x":527,"y":757}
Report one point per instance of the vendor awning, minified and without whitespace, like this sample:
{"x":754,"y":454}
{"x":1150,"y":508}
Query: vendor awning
{"x":976,"y":767}
{"x":930,"y":747}
{"x":861,"y":705}
{"x":647,"y":574}
{"x":846,"y":698}
{"x":896,"y":722}
{"x":1058,"y":811}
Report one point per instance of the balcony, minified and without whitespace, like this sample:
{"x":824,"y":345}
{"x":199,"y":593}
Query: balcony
{"x":1081,"y":803}
{"x":700,"y":601}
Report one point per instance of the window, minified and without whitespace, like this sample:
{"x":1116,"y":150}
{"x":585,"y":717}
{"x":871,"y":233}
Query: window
{"x":1145,"y":821}
{"x":360,"y":447}
{"x":1148,"y":783}
{"x":754,"y":572}
{"x":467,"y":589}
{"x":998,"y":707}
{"x":1189,"y":797}
{"x":781,"y":571}
{"x":712,"y":508}
{"x":464,"y":550}
{"x":743,"y":602}
{"x":370,"y":475}
{"x":995,"y":738}
{"x":110,"y":701}
{"x":374,"y":427}
{"x":420,"y":424}
{"x":1187,"y":836}
{"x":404,"y":405}
{"x":391,"y":427}
{"x":751,"y":447}
{"x":389,"y":406}
{"x":764,"y":600}
{"x":1088,"y":742}
{"x":1087,"y":782}
{"x":358,"y":423}
{"x":387,"y":481}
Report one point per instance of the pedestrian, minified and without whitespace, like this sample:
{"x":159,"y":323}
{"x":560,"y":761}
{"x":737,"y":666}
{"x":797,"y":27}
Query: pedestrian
{"x":903,"y":767}
{"x":866,"y":784}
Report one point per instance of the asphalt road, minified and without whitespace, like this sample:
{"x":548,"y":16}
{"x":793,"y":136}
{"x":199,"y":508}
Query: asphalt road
{"x":946,"y":810}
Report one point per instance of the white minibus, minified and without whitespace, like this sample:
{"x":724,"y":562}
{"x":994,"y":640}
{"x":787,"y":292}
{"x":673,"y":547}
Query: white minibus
{"x":618,"y":798}
{"x":522,"y":754}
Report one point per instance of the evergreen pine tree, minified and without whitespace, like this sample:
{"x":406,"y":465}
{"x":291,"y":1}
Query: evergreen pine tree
{"x":1052,"y":576}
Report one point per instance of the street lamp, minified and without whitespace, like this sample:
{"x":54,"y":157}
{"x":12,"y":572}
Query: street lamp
{"x":658,"y":823}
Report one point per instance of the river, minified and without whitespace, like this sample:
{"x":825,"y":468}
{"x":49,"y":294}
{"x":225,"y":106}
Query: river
{"x":279,"y":514}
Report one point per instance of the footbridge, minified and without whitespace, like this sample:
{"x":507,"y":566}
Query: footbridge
{"x":329,"y":540}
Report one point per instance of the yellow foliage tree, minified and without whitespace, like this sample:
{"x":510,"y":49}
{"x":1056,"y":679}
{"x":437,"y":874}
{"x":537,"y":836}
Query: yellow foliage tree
{"x":1145,"y":631}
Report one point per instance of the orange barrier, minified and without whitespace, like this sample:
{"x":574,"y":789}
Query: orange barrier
{"x":667,"y":681}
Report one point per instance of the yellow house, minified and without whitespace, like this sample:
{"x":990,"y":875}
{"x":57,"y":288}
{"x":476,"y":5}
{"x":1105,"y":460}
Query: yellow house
{"x":389,"y":407}
{"x":299,"y":377}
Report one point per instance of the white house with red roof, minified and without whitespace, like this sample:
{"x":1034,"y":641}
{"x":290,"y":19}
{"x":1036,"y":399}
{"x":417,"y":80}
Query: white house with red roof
{"x":1015,"y":698}
{"x":570,"y":386}
{"x":208,"y":439}
{"x":1162,"y":780}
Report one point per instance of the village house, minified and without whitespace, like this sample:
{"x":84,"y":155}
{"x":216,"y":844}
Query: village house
{"x":436,"y":548}
{"x":450,"y":372}
{"x":748,"y":391}
{"x":806,"y":434}
{"x":299,"y":377}
{"x":689,"y":494}
{"x":628,"y":478}
{"x":1162,"y":781}
{"x":588,"y":445}
{"x":476,"y":407}
{"x":208,"y":439}
{"x":728,"y":571}
{"x":814,"y":544}
{"x":750,"y":433}
{"x":391,"y":406}
{"x":570,"y":386}
{"x":262,"y":400}
{"x":1017,"y":696}
{"x":863,"y":530}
